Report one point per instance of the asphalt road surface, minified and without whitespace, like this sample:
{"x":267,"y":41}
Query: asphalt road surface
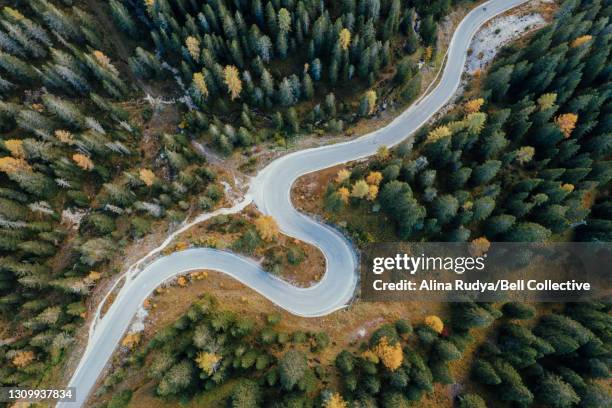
{"x":270,"y":191}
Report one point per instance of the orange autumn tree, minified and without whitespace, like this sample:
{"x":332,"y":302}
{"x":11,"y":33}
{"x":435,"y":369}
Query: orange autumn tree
{"x":83,"y":161}
{"x":11,"y":165}
{"x":391,"y":355}
{"x":150,"y":5}
{"x":375,"y":177}
{"x":130,"y":340}
{"x":581,"y":41}
{"x":479,"y":246}
{"x":23,"y":358}
{"x":267,"y":227}
{"x":15,"y":147}
{"x":567,"y":123}
{"x":93,"y":277}
{"x":147,"y":177}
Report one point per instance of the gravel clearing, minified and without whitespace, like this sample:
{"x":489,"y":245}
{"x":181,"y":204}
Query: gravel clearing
{"x":499,"y":32}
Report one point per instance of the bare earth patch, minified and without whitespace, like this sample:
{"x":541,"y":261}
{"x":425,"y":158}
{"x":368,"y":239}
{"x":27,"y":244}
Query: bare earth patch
{"x":209,"y":234}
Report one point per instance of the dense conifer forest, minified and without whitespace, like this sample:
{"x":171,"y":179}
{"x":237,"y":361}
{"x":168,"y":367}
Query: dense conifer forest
{"x":525,"y":159}
{"x":83,"y":175}
{"x":75,"y":185}
{"x":281,"y":68}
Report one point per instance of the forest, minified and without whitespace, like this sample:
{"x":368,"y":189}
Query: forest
{"x":76,"y":185}
{"x":88,"y":168}
{"x":557,"y":359}
{"x":526,"y":157}
{"x":280,"y":68}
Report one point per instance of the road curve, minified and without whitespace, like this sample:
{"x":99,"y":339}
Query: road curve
{"x":270,"y":190}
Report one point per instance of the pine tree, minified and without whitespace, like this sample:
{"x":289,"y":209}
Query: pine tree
{"x":292,"y":368}
{"x":123,"y":18}
{"x":285,"y":93}
{"x":293,"y":120}
{"x":428,"y":30}
{"x":315,"y":69}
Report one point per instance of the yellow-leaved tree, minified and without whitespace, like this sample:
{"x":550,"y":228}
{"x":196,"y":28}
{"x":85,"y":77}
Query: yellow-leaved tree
{"x":547,"y":101}
{"x":83,"y":161}
{"x":267,"y":227}
{"x":567,"y":123}
{"x":391,"y":355}
{"x":193,"y":46}
{"x":200,"y":84}
{"x":360,"y":189}
{"x":342,"y":176}
{"x":371,"y":98}
{"x":438,"y":133}
{"x":13,"y":14}
{"x":335,"y":400}
{"x":567,"y":187}
{"x":344,"y":194}
{"x":382,"y":153}
{"x":208,"y":362}
{"x":525,"y":154}
{"x":372,"y":192}
{"x":473,"y":105}
{"x":434,"y":323}
{"x":344,"y":38}
{"x":232,"y":80}
{"x":370,"y":356}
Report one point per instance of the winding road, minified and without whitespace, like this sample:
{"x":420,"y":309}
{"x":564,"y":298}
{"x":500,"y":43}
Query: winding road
{"x":270,"y":190}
